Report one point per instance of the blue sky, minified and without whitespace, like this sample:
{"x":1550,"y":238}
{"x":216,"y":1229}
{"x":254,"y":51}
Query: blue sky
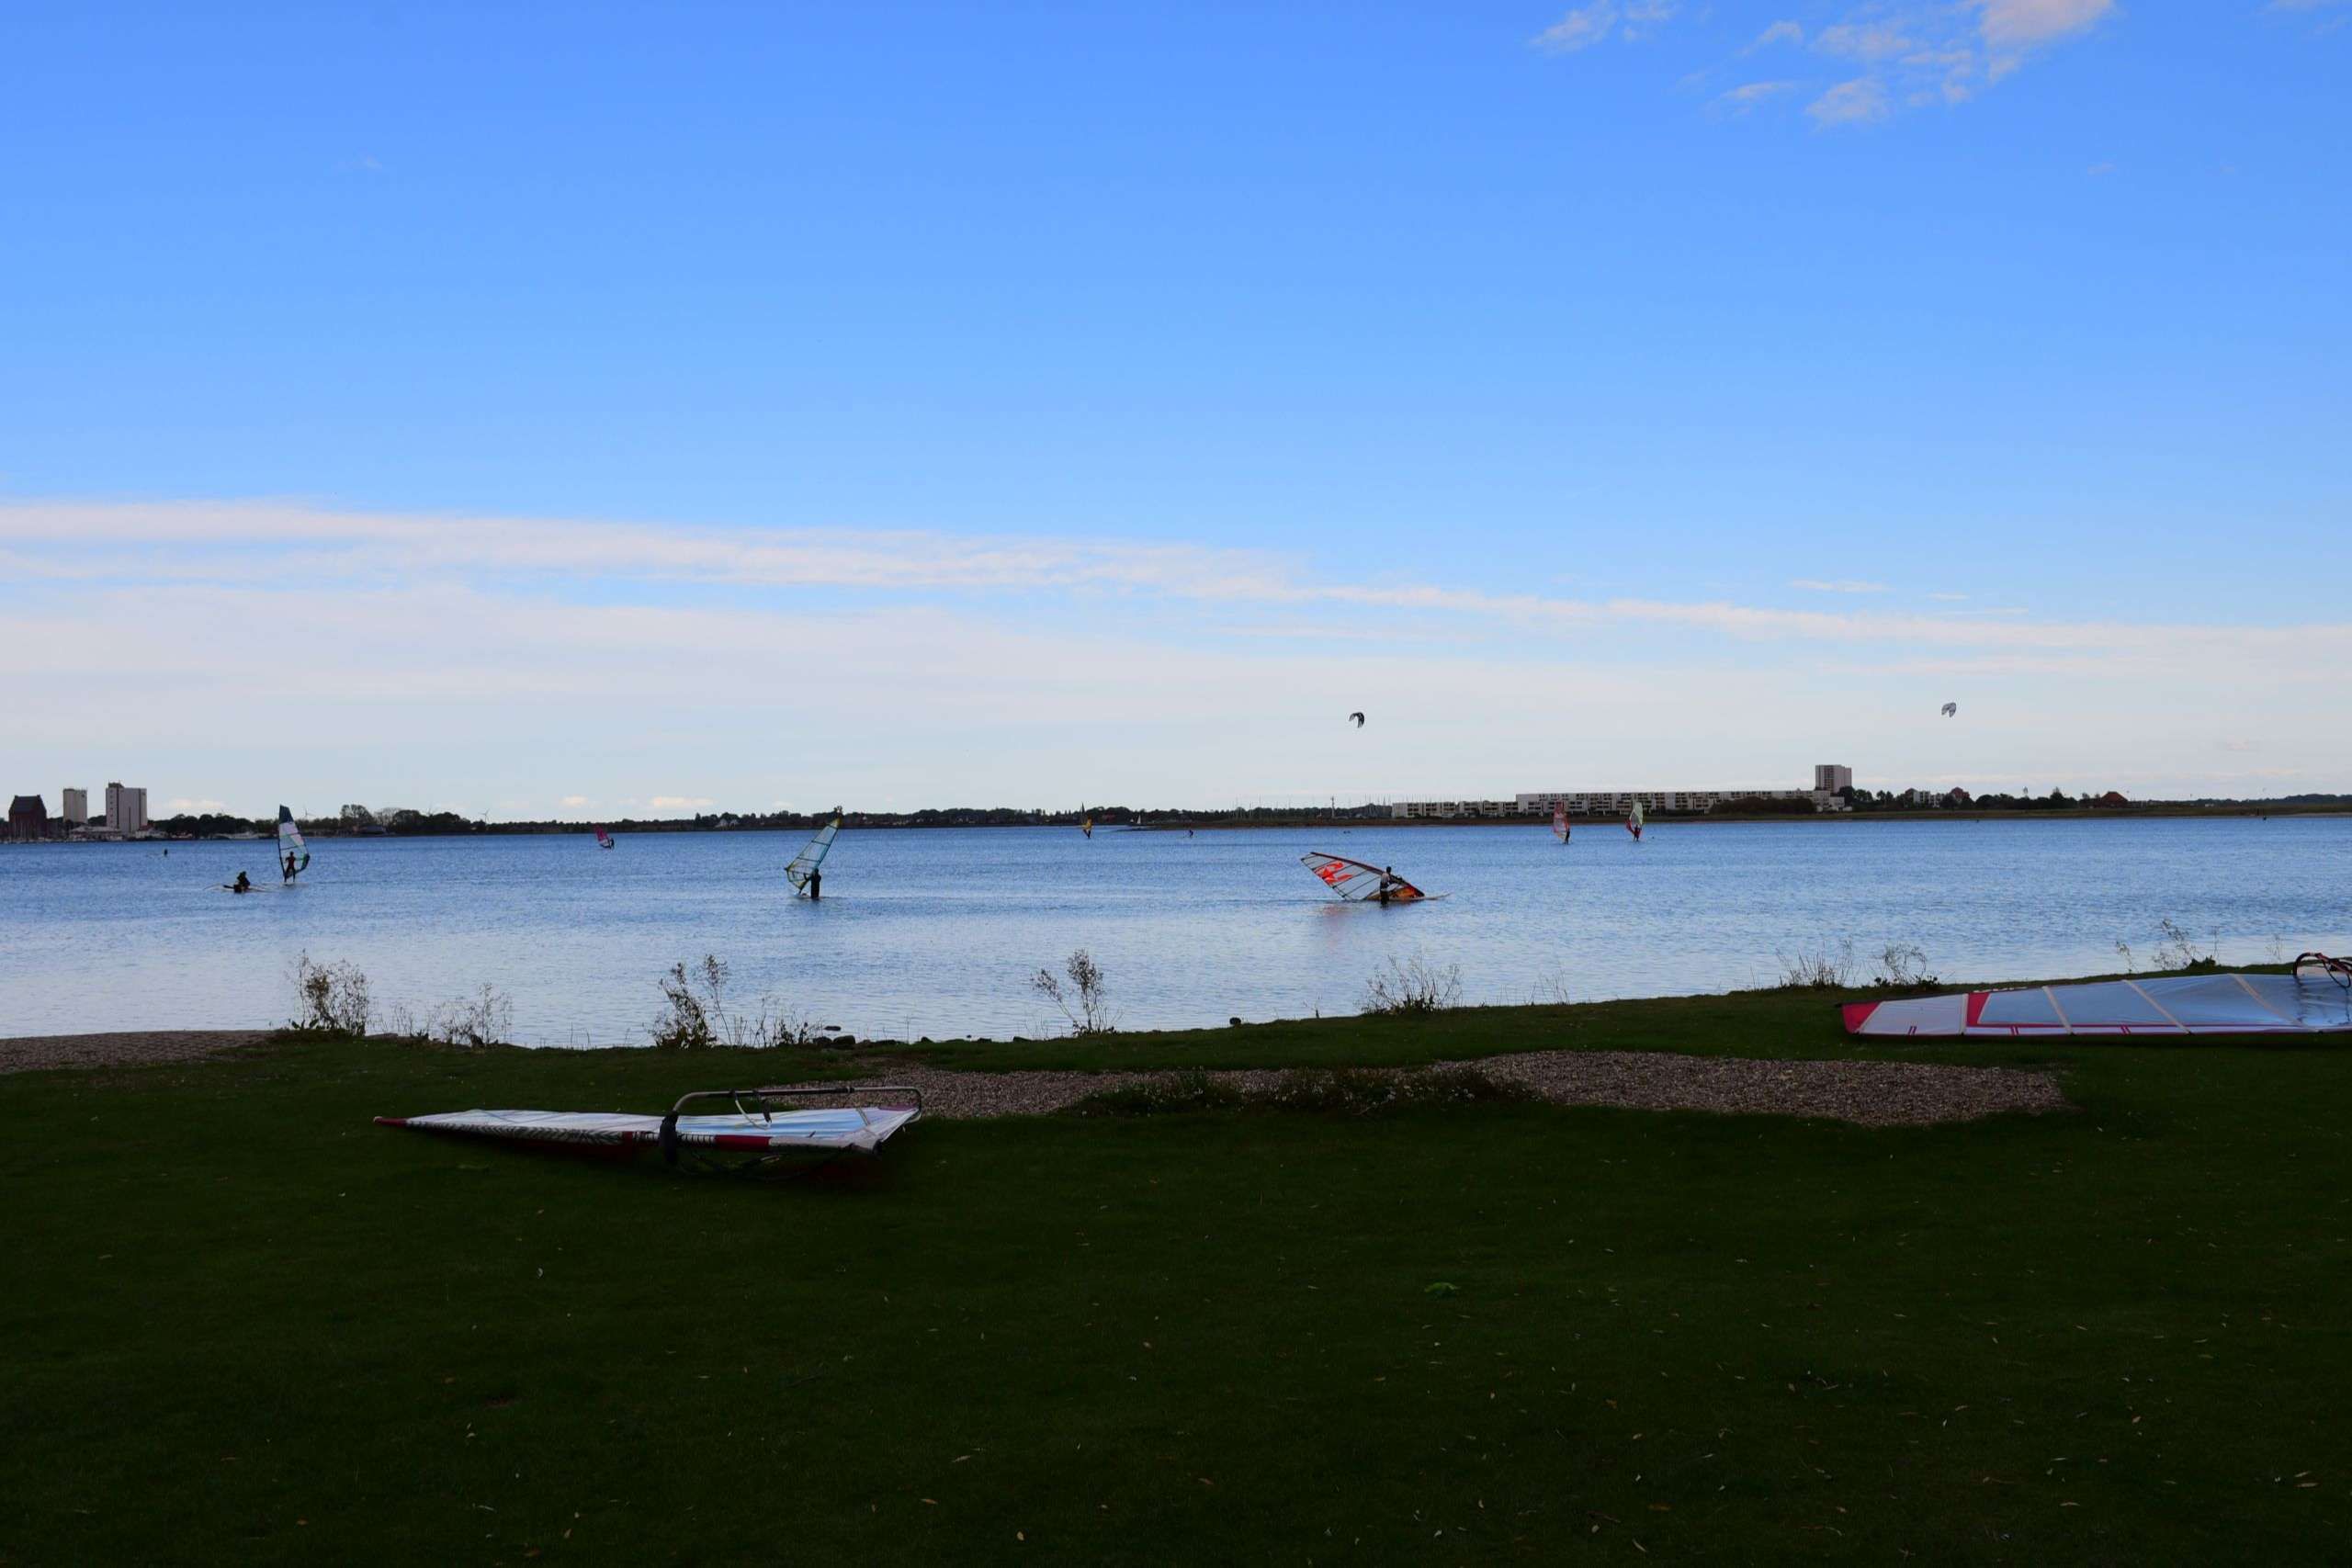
{"x":1027,"y":404}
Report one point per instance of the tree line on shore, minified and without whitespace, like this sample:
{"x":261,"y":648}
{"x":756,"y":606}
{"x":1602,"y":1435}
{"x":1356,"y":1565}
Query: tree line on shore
{"x":407,"y":822}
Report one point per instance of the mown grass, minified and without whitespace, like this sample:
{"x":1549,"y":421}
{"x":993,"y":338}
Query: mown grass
{"x":244,"y":1325}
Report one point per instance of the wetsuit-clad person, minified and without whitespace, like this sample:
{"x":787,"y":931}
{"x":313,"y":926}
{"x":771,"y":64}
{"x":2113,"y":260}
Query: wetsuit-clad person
{"x":242,"y":885}
{"x":816,"y":881}
{"x":288,"y":868}
{"x":1387,"y":881}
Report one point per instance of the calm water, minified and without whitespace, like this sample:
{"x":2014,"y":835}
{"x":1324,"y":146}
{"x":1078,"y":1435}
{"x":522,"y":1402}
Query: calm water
{"x":934,"y":932}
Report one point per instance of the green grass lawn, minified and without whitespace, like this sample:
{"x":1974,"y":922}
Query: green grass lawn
{"x":243,"y":1324}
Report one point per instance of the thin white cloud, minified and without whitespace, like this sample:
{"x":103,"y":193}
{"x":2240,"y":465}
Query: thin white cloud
{"x":1587,"y":24}
{"x":1862,"y":101}
{"x":1868,"y":41}
{"x":1741,"y":99}
{"x":181,"y":803}
{"x":1580,"y":29}
{"x":2023,"y":24}
{"x":1949,"y":598}
{"x":1893,"y":55}
{"x":1837,"y":585}
{"x":433,"y":660}
{"x":573,"y":800}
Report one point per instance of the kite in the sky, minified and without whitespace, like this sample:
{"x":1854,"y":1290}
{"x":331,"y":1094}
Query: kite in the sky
{"x":1950,"y":708}
{"x":1356,"y":720}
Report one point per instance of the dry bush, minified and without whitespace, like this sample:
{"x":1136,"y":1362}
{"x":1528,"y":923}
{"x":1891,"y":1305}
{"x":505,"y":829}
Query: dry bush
{"x":1825,"y":970}
{"x":1084,"y":999}
{"x":1412,"y":986}
{"x":329,"y":999}
{"x":696,"y":1016}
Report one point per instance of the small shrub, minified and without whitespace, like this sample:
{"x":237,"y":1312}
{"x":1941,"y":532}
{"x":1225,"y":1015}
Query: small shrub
{"x":684,"y":1022}
{"x":1333,"y":1091}
{"x":696,"y":1014}
{"x":1825,"y":970}
{"x":1411,"y":987}
{"x":329,"y":999}
{"x":1083,"y":1000}
{"x":484,"y":1019}
{"x":1903,"y":964}
{"x":2180,"y":951}
{"x":1162,"y":1096}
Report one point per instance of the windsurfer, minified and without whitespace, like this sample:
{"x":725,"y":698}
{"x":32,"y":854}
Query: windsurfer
{"x":289,"y":868}
{"x":815,"y":881}
{"x":1390,"y":883}
{"x":242,"y":885}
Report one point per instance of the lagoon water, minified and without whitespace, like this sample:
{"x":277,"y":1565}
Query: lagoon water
{"x":935,"y":933}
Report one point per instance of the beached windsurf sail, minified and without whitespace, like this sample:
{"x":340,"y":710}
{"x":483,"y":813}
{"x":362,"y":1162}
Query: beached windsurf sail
{"x":2316,"y":998}
{"x":1560,"y":820}
{"x":812,"y":855}
{"x":604,"y":840}
{"x":1634,"y":819}
{"x":292,"y":857}
{"x":1358,"y":882}
{"x":754,"y":1133}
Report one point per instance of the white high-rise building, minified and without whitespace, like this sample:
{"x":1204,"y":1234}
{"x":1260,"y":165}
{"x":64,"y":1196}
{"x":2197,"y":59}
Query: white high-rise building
{"x":77,"y":808}
{"x":126,"y":808}
{"x":1832,"y":776}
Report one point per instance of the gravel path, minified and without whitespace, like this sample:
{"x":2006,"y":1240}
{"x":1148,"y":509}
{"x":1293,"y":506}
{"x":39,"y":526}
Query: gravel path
{"x":32,"y":1052}
{"x":1874,"y":1094}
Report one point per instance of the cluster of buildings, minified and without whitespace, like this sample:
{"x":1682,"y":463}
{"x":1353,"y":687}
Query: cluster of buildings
{"x":126,"y":815}
{"x":1830,"y":781}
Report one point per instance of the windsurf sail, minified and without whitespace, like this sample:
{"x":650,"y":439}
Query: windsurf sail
{"x":1358,"y":882}
{"x":1634,"y":819}
{"x":755,"y":1131}
{"x":1560,"y":820}
{"x":1086,"y":826}
{"x":812,"y":855}
{"x":2316,"y":998}
{"x":292,"y":857}
{"x":604,"y":840}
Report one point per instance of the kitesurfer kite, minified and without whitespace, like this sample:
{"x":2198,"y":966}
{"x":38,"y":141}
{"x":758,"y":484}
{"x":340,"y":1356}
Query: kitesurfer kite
{"x":1950,"y":708}
{"x":1356,"y":720}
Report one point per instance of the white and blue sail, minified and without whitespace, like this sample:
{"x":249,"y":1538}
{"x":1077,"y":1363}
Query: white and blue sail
{"x":812,"y":855}
{"x":292,"y":856}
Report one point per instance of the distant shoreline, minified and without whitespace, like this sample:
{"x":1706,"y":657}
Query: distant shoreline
{"x":1302,"y":822}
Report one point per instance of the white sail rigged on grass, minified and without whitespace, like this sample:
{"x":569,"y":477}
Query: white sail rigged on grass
{"x":812,"y":855}
{"x":292,"y":856}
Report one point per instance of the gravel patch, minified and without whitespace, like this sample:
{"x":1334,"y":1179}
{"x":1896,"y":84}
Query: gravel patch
{"x":1874,"y":1094}
{"x":32,"y":1052}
